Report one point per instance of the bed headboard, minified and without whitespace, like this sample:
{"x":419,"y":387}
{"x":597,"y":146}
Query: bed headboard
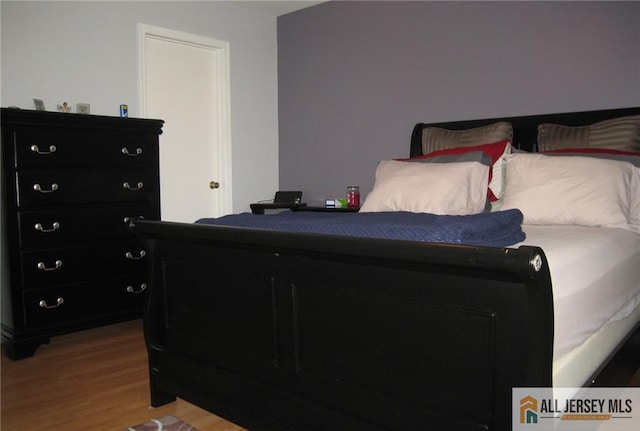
{"x":525,"y":128}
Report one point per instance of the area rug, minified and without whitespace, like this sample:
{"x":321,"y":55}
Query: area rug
{"x":164,"y":423}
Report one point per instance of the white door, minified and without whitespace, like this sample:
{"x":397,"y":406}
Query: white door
{"x":185,"y":82}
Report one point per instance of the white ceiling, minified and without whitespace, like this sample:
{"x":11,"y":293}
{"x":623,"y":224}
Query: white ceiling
{"x":277,"y":7}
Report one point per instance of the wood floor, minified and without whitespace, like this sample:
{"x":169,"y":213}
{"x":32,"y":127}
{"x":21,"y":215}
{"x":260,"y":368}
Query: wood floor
{"x":91,"y":380}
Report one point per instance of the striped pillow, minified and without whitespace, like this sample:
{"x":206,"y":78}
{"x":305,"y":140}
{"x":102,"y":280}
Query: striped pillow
{"x":436,"y":138}
{"x":622,"y":133}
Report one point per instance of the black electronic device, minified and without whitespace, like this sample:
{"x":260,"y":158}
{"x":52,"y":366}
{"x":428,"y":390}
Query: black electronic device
{"x":282,"y":199}
{"x":287,"y":197}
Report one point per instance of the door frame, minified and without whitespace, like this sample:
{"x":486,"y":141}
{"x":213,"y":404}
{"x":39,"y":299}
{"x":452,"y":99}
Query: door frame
{"x":224,"y":156}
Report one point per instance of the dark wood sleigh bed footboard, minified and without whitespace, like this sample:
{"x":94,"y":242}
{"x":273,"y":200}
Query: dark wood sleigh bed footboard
{"x":285,"y":331}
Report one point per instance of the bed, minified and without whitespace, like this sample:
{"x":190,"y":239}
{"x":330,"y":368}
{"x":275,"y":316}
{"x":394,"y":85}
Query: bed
{"x":317,"y":330}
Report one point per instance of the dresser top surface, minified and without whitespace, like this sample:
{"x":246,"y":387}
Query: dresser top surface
{"x":12,"y":116}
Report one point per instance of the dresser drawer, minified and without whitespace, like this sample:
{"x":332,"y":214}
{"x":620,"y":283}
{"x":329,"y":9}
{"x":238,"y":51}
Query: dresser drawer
{"x":51,"y":149}
{"x":50,"y":188}
{"x":54,"y":306}
{"x":77,"y":264}
{"x":50,"y":227}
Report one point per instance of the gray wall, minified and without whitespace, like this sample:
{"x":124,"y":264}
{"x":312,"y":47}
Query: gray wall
{"x":354,"y":77}
{"x":87,"y":51}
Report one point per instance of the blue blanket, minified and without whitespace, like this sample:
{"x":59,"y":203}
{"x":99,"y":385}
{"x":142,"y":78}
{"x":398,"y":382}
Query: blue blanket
{"x":498,"y":229}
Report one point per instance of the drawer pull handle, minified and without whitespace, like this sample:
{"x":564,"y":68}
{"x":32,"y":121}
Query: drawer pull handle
{"x":54,"y":226}
{"x":130,"y":255}
{"x":38,"y":188}
{"x":43,"y":267}
{"x":59,"y":302}
{"x":131,"y":289}
{"x":52,"y":149}
{"x":126,"y":152}
{"x":127,"y":219}
{"x":128,"y":186}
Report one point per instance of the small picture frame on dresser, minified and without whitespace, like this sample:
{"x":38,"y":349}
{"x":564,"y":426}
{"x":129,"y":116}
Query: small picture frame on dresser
{"x":39,"y":104}
{"x":83,"y":108}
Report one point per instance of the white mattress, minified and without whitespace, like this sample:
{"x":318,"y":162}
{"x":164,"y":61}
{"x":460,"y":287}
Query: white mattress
{"x":595,"y":274}
{"x":576,"y":368}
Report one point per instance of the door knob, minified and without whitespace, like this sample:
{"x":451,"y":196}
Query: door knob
{"x":214,"y":185}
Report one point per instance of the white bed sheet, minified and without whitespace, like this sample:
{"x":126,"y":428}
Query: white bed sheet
{"x":595,"y":274}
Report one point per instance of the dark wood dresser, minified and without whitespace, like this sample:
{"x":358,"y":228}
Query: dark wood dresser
{"x":70,"y":183}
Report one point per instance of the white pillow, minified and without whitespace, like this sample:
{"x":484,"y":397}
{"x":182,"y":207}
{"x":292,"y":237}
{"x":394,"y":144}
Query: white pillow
{"x":577,"y":190}
{"x":437,"y":188}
